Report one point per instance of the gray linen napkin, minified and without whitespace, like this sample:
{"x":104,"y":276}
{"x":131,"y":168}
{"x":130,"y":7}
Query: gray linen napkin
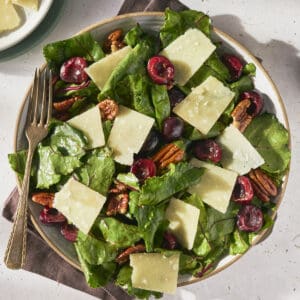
{"x":41,"y":259}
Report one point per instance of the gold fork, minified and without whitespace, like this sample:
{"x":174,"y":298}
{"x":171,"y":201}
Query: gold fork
{"x":38,"y":117}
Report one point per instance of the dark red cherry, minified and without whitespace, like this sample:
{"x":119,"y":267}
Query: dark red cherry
{"x":151,"y":142}
{"x":257,"y":102}
{"x":69,"y":231}
{"x":208,"y":150}
{"x":51,"y":215}
{"x":172,"y":128}
{"x":72,"y":70}
{"x":234,"y":64}
{"x":175,"y":96}
{"x":243,"y":191}
{"x":250,"y":218}
{"x":169,"y":241}
{"x":143,"y":168}
{"x":161,"y":70}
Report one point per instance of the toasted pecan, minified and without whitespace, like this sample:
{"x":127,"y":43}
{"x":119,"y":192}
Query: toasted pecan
{"x":124,"y":256}
{"x":109,"y":109}
{"x":114,"y":41}
{"x":43,"y":198}
{"x":170,"y":153}
{"x":241,"y":118}
{"x":263,"y":185}
{"x":117,"y":204}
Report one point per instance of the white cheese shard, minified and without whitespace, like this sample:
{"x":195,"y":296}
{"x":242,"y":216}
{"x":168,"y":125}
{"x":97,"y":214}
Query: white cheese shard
{"x":188,"y":53}
{"x":128,"y":134}
{"x":90,"y":124}
{"x":183,"y":218}
{"x":216,"y":185}
{"x":205,"y":104}
{"x":102,"y":69}
{"x":155,"y":271}
{"x":79,"y":204}
{"x":31,"y":4}
{"x":9,"y":18}
{"x":237,"y":152}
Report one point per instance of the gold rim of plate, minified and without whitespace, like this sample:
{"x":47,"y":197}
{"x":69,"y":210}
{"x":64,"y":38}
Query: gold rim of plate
{"x":221,"y":34}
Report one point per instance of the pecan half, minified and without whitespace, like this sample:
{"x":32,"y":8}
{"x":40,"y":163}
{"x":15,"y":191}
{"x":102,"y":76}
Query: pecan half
{"x":109,"y":109}
{"x":43,"y":198}
{"x":124,"y":256}
{"x":64,"y":105}
{"x":241,"y":119}
{"x":168,"y":154}
{"x":263,"y":185}
{"x":114,"y":41}
{"x":117,"y":204}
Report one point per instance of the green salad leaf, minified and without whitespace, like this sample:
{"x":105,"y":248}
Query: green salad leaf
{"x":133,"y":63}
{"x":82,"y":45}
{"x":67,"y":139}
{"x":139,"y":94}
{"x":52,"y":165}
{"x":118,"y":233}
{"x":176,"y":23}
{"x":134,"y":36}
{"x":161,"y":103}
{"x":271,"y":140}
{"x":124,"y":281}
{"x":239,"y":242}
{"x":95,"y":251}
{"x":129,"y":179}
{"x":178,"y":178}
{"x":149,"y":219}
{"x":98,"y":170}
{"x":96,"y":275}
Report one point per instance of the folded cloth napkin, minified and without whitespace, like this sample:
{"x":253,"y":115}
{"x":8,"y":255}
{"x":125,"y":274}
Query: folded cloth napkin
{"x":41,"y":259}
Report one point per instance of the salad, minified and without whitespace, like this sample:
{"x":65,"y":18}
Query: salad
{"x":160,"y":159}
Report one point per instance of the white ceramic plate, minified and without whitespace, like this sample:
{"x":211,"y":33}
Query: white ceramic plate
{"x":152,"y":22}
{"x":30,"y":19}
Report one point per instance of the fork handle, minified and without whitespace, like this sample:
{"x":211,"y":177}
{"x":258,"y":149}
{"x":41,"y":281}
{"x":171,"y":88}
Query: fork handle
{"x":16,"y":248}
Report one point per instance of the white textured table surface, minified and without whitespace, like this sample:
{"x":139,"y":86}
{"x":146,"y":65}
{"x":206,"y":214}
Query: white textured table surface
{"x":270,"y":29}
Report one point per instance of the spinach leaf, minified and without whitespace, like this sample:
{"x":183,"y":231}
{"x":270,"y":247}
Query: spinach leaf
{"x":68,"y":140}
{"x":212,"y":67}
{"x":271,"y":140}
{"x":178,"y":178}
{"x":98,"y":170}
{"x":124,"y":280}
{"x":161,"y":103}
{"x":176,"y":23}
{"x":96,"y":275}
{"x":140,"y":95}
{"x":129,"y":179}
{"x":82,"y":45}
{"x":134,"y":62}
{"x":52,"y":165}
{"x":95,"y":251}
{"x":149,"y":219}
{"x":118,"y":233}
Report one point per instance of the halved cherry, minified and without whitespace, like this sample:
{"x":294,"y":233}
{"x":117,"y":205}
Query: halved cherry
{"x":208,"y":150}
{"x":143,"y":168}
{"x":234,"y":64}
{"x":161,"y":70}
{"x":172,"y":128}
{"x":72,"y":70}
{"x":257,"y":102}
{"x":243,"y":191}
{"x":51,"y":215}
{"x":69,"y":231}
{"x":250,"y":218}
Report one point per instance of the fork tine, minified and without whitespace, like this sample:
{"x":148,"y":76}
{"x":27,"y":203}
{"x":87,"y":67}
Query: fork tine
{"x":50,"y":95}
{"x":44,"y":99}
{"x":36,"y":97}
{"x":31,"y":100}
